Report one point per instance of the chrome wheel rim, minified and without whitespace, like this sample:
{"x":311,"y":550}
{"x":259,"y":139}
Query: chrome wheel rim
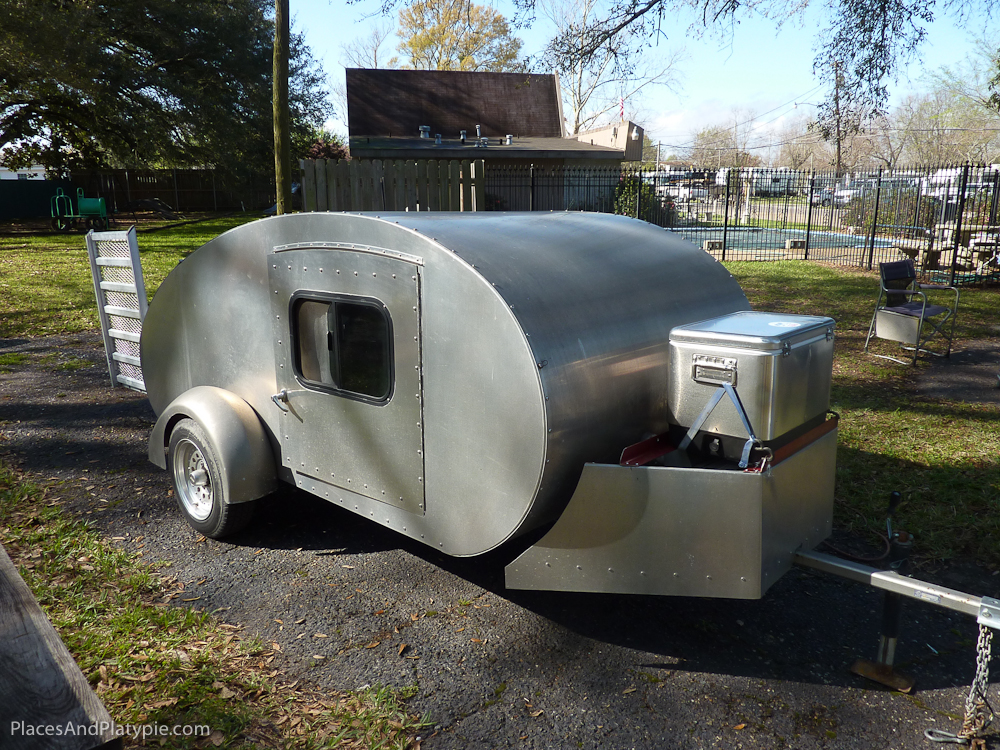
{"x":193,"y":480}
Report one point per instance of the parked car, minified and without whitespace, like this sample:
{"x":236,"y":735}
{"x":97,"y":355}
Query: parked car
{"x":822,"y":197}
{"x":683,"y":192}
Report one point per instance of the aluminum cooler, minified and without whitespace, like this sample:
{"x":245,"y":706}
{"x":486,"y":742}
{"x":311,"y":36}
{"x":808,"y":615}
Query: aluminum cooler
{"x":780,"y":365}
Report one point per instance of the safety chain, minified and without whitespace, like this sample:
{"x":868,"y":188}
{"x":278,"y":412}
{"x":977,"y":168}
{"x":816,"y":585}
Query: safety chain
{"x":978,"y":711}
{"x":976,"y":705}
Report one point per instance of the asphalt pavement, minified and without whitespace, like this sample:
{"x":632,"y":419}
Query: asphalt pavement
{"x":349,"y":603}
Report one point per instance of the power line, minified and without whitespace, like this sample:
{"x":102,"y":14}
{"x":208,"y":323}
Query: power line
{"x":755,"y":117}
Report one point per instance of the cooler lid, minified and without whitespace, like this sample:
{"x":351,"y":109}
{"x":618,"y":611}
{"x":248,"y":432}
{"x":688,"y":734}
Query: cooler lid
{"x":755,"y":330}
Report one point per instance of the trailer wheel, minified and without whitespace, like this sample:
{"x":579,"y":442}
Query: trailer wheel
{"x":197,"y":475}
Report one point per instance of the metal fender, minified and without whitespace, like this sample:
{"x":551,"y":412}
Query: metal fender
{"x":236,"y":433}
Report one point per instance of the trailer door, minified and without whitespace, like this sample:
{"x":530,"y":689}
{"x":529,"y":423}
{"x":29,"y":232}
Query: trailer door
{"x":348,"y":368}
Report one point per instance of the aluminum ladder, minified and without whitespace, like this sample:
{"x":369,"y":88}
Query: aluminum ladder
{"x":121,"y":302}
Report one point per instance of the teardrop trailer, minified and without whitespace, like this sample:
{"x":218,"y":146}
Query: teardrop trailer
{"x":465,"y":379}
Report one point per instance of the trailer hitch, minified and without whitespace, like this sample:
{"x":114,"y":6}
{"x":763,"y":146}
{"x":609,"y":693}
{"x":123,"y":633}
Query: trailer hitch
{"x":881,"y":670}
{"x":897,"y":586}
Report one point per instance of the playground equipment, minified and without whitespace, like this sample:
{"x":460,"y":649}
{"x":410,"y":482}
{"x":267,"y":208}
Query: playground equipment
{"x":91,"y":212}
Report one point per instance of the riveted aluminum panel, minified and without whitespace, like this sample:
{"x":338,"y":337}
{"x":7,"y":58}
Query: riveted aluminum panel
{"x":677,"y":531}
{"x":373,"y":448}
{"x":781,"y":366}
{"x":543,"y":346}
{"x":596,"y":296}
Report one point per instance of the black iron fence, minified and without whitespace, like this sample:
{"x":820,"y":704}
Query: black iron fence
{"x":945,"y":218}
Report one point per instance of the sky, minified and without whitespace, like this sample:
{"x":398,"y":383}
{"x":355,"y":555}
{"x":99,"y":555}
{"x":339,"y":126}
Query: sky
{"x":758,"y":70}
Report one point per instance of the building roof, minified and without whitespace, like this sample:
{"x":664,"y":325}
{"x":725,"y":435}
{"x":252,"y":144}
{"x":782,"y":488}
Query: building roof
{"x":382,"y":103}
{"x":497,"y":151}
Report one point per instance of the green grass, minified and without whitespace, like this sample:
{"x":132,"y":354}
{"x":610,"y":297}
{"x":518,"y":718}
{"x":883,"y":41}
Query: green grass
{"x":45,"y":282}
{"x":943,"y":455}
{"x":10,"y":360}
{"x":155,"y":664}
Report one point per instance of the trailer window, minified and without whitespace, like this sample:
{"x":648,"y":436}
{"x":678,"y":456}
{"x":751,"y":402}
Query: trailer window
{"x":344,"y":346}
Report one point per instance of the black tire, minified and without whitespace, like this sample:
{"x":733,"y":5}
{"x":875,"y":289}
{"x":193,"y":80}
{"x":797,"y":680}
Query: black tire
{"x":61,"y":223}
{"x":197,"y":474}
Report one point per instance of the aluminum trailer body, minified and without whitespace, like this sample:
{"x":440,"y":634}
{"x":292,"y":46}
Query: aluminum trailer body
{"x":452,"y":376}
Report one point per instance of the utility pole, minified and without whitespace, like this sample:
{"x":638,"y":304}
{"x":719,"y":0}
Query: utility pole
{"x":836,"y":111}
{"x":279,"y":109}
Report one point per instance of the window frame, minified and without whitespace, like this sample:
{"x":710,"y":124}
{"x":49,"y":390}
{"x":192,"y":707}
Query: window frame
{"x":332,"y":299}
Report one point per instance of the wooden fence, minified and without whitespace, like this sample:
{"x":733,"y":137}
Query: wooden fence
{"x":426,"y":185}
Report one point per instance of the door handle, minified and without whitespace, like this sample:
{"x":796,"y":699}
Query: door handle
{"x":280,"y":399}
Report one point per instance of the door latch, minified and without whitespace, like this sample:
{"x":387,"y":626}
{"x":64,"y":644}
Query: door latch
{"x":280,"y":399}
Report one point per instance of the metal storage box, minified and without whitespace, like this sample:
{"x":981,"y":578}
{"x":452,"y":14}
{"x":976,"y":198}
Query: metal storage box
{"x":780,"y":365}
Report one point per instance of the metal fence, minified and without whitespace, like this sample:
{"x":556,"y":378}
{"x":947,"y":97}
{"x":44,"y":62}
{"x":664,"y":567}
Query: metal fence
{"x":945,"y":218}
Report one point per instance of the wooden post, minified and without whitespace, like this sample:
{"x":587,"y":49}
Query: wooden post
{"x":399,"y":185}
{"x":342,"y":176}
{"x":422,"y":201}
{"x":366,"y":192}
{"x":316,"y":179}
{"x":479,"y":178}
{"x":466,"y":185}
{"x":40,"y":684}
{"x":433,"y":185}
{"x":310,"y":197}
{"x":454,"y":186}
{"x":379,"y":200}
{"x":410,"y":174}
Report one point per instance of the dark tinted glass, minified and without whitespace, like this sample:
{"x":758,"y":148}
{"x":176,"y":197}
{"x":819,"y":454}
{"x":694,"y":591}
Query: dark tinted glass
{"x":360,"y":355}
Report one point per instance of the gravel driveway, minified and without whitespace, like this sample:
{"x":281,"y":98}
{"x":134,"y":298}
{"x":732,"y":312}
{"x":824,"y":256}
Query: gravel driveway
{"x":349,"y":603}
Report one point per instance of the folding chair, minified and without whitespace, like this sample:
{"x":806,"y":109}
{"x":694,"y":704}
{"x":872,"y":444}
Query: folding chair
{"x":904,"y":314}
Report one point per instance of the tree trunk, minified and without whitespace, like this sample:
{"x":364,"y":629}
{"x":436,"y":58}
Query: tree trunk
{"x":282,"y":139}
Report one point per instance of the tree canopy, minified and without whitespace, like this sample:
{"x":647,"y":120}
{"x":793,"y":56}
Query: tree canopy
{"x":457,"y":35}
{"x":147,"y":82}
{"x":594,"y":83}
{"x":865,"y":41}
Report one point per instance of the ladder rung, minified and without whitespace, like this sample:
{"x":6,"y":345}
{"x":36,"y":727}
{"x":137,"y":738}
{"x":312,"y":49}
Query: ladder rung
{"x":117,"y":286}
{"x":136,"y":385}
{"x":127,"y":358}
{"x":124,"y":335}
{"x":122,"y":312}
{"x":122,"y":262}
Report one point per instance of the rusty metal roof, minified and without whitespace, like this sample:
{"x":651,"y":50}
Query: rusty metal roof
{"x":397,"y":102}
